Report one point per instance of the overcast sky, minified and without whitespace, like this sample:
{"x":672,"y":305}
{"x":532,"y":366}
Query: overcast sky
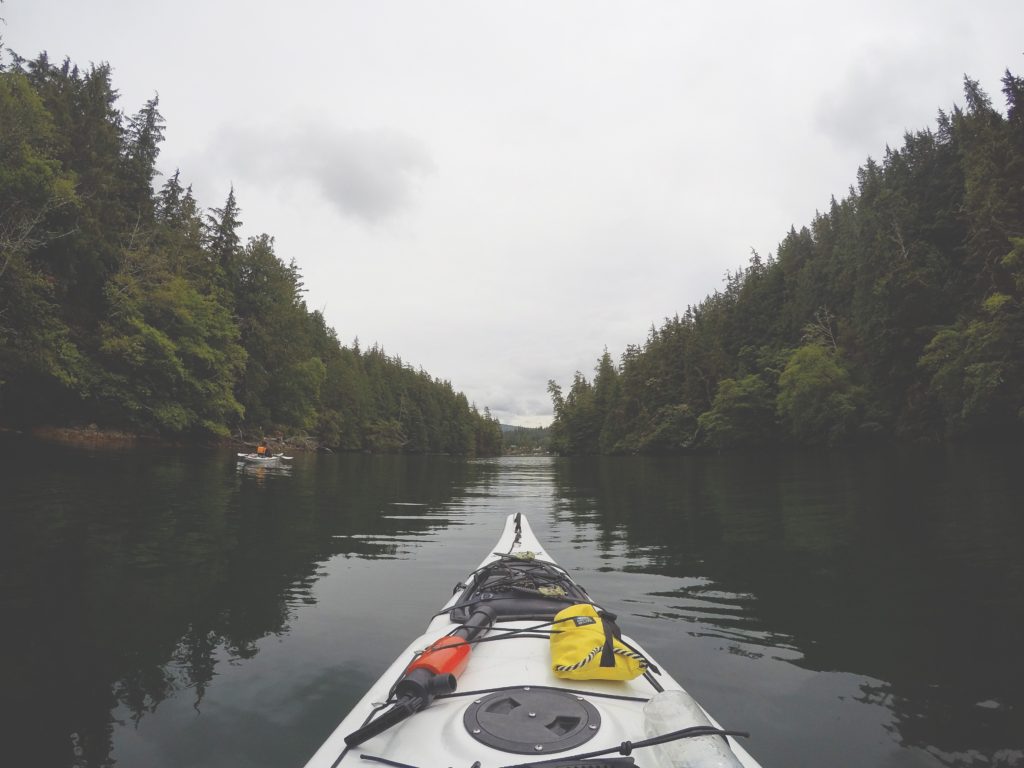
{"x":495,"y":191}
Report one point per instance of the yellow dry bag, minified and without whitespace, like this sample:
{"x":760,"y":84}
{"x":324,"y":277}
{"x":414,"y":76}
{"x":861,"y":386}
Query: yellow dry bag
{"x":584,"y":647}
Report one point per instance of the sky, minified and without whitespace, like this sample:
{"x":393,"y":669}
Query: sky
{"x":497,"y":191}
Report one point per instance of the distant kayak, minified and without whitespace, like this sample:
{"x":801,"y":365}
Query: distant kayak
{"x":521,"y":669}
{"x":255,"y":458}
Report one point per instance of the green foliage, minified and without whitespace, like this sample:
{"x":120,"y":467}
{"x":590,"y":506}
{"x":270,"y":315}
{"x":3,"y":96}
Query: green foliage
{"x":558,"y":426}
{"x":37,"y":353}
{"x":976,"y":369}
{"x":902,"y":301}
{"x":142,"y":140}
{"x":130,"y":308}
{"x":39,"y":361}
{"x":525,"y":440}
{"x":816,"y":402}
{"x":672,"y":428}
{"x":385,"y":436}
{"x":487,"y":434}
{"x":581,"y":417}
{"x":741,"y":415}
{"x":222,"y":238}
{"x":170,"y":354}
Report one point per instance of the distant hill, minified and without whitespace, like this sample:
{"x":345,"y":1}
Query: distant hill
{"x":505,"y":428}
{"x":523,"y":440}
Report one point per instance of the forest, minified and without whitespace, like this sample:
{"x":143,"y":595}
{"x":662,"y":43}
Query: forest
{"x":898,"y":313}
{"x":125,"y":303}
{"x":525,"y":440}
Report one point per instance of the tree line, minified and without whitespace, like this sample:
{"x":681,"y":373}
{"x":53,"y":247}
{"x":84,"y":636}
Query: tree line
{"x":525,"y":440}
{"x":133,"y":307}
{"x":899,"y":312}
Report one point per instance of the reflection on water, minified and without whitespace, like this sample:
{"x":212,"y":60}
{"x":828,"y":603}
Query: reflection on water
{"x":899,"y":573}
{"x":173,"y":609}
{"x":263,"y":471}
{"x":137,"y":579}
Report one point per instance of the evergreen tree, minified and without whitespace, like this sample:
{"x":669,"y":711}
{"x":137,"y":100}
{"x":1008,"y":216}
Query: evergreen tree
{"x":134,"y":310}
{"x":897,"y":311}
{"x":222,"y":239}
{"x":39,"y":360}
{"x":143,"y":135}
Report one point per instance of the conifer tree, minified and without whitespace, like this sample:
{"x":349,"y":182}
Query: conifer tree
{"x":222,"y":238}
{"x":143,"y":135}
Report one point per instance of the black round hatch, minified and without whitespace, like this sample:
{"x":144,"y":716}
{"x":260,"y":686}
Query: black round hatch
{"x":532,"y":721}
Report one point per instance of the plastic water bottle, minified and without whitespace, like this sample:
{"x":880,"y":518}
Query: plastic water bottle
{"x":672,"y":711}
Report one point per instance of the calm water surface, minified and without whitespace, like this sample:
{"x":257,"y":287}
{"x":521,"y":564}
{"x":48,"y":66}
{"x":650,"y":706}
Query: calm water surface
{"x":167,"y":609}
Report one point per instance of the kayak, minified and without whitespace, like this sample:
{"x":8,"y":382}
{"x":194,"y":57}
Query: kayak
{"x":255,"y":458}
{"x":494,"y":683}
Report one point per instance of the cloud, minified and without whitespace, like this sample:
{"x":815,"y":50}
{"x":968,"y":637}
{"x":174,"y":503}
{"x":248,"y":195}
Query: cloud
{"x":370,"y":176}
{"x":870,"y":105}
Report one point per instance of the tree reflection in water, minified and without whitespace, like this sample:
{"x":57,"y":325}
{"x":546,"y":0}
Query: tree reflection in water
{"x":131,"y":577}
{"x":901,"y":566}
{"x":827,"y":603}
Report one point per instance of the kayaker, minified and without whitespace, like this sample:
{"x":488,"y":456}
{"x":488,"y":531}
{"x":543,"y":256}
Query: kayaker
{"x":263,"y":449}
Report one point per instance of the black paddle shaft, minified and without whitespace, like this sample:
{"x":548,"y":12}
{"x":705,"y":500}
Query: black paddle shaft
{"x":418,"y":688}
{"x":415,"y":692}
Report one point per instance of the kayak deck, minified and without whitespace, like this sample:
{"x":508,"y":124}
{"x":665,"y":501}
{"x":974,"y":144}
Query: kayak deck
{"x":501,"y":675}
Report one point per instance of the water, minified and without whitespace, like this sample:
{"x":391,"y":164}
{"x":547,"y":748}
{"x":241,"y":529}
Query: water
{"x":165,"y":608}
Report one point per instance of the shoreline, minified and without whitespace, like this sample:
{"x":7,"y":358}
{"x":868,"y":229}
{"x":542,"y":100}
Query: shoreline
{"x":94,"y":436}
